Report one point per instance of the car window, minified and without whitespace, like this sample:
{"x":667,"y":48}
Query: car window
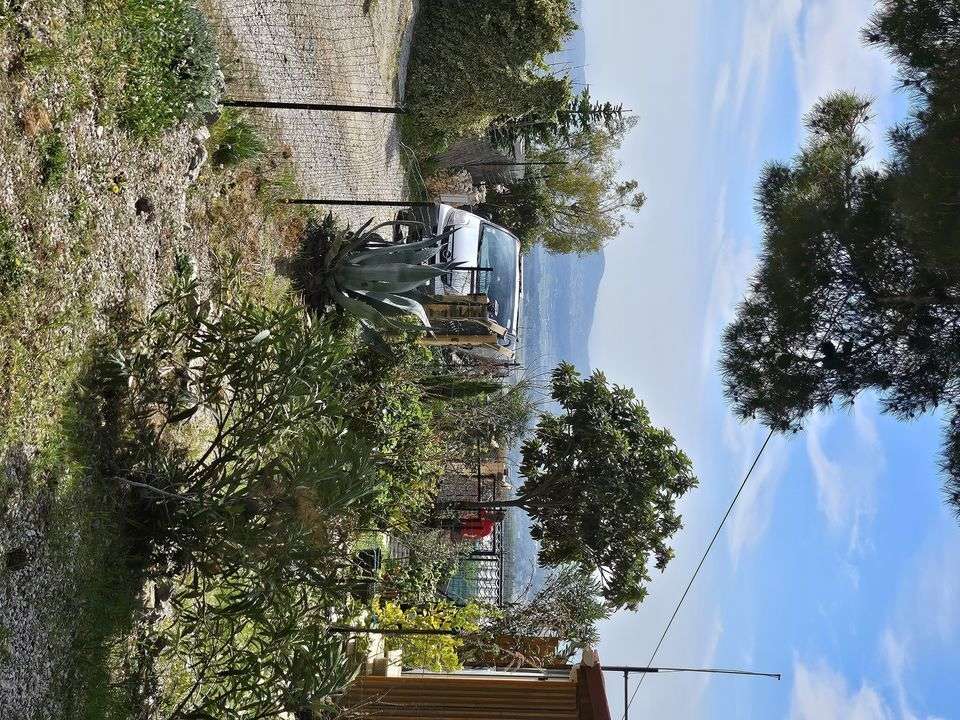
{"x":499,"y":253}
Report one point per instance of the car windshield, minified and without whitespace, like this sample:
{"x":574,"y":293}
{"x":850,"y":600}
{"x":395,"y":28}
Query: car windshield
{"x":498,"y":251}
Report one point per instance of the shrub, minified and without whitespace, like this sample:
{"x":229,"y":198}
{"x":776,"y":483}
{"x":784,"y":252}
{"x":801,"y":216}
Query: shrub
{"x":258,"y":509}
{"x":247,"y":648}
{"x":167,"y":57}
{"x":234,"y":139}
{"x":387,"y":408}
{"x":277,"y":463}
{"x":431,"y":562}
{"x":473,"y":62}
{"x":436,"y":653}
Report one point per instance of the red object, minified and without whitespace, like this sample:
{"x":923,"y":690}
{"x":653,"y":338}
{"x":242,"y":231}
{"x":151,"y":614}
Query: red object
{"x":475,"y":528}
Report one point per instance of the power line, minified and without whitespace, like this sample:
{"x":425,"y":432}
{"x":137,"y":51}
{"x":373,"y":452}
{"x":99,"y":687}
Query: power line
{"x":696,"y":572}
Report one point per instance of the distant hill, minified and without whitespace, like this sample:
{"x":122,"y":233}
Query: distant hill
{"x":560,"y":291}
{"x":559,"y":296}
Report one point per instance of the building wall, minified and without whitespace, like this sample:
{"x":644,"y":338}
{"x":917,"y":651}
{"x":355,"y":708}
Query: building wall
{"x":458,"y":697}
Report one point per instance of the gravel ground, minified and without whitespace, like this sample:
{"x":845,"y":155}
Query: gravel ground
{"x":129,"y":253}
{"x":109,"y":235}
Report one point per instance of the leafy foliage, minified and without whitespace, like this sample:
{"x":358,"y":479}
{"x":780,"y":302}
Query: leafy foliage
{"x":577,"y":203}
{"x":536,"y":129}
{"x":601,"y":484}
{"x":278,"y":461}
{"x":257,"y":451}
{"x":256,"y":649}
{"x":846,"y":298}
{"x":387,"y":408}
{"x":567,"y":606}
{"x":418,"y":578}
{"x":476,"y":61}
{"x":503,"y":414}
{"x":166,"y":55}
{"x":436,"y":653}
{"x":234,"y":139}
{"x":923,"y":40}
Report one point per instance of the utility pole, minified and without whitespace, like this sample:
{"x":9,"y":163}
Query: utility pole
{"x":627,"y":669}
{"x":359,"y":202}
{"x":327,"y":107}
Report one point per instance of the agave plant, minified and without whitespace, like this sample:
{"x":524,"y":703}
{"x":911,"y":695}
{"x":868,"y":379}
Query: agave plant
{"x":376,"y":280}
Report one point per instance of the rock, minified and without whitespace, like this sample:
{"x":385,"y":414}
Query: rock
{"x":197,"y":161}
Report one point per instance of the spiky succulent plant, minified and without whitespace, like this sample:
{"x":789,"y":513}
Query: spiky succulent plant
{"x":374,"y":279}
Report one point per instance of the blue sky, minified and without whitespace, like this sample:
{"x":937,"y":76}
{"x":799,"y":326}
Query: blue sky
{"x":840,"y":566}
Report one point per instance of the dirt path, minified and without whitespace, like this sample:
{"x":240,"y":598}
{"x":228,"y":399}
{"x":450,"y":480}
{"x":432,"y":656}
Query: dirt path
{"x":327,"y":51}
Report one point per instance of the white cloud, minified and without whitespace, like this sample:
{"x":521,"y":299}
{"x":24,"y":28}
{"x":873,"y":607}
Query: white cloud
{"x":831,"y":493}
{"x":894,"y":651}
{"x":936,"y":592}
{"x":846,"y":482}
{"x":751,"y":515}
{"x":820,"y":693}
{"x":721,"y":91}
{"x":927,"y":619}
{"x":734,"y":262}
{"x":766,"y":23}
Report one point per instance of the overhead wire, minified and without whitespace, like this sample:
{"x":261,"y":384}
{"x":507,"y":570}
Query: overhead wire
{"x":696,"y":572}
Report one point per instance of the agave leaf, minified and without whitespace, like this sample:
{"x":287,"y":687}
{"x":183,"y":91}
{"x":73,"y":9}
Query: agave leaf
{"x":363,"y":310}
{"x":400,"y":253}
{"x":398,"y":303}
{"x":392,"y":278}
{"x":342,"y":246}
{"x":388,"y":223}
{"x":375,"y":340}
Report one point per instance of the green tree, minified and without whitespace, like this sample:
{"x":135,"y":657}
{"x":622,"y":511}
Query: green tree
{"x":577,"y":203}
{"x":537,"y":128}
{"x":842,"y":301}
{"x":601,"y":485}
{"x":432,"y":652}
{"x":923,"y":39}
{"x":476,"y":60}
{"x":567,"y":606}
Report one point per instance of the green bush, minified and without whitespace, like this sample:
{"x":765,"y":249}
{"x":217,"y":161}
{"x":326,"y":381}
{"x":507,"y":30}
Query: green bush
{"x":417,"y":578}
{"x":231,"y":430}
{"x":435,"y":653}
{"x":54,"y":159}
{"x":248,"y":648}
{"x":475,"y":61}
{"x":234,"y":139}
{"x":167,"y":58}
{"x":260,"y":486}
{"x":388,"y":409}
